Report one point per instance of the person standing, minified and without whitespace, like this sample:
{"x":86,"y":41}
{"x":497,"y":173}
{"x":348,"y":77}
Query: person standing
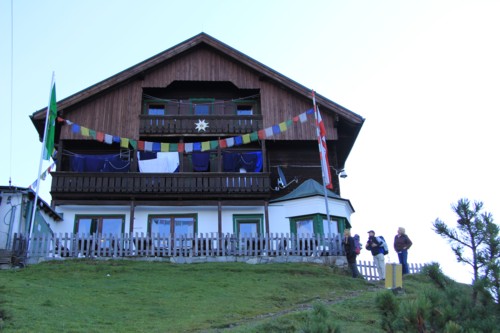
{"x":401,"y":244}
{"x":350,"y":253}
{"x":376,"y":246}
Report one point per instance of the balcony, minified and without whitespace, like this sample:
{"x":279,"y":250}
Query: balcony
{"x":185,"y":124}
{"x":158,"y":186}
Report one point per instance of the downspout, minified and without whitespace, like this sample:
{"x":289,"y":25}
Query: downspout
{"x":11,"y":224}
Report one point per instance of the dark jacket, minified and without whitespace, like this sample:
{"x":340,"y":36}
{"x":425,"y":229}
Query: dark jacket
{"x":349,"y":249}
{"x":401,"y":243}
{"x":377,"y":249}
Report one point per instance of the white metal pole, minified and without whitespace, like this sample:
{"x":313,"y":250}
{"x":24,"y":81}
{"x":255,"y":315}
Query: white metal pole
{"x":322,"y":171}
{"x":32,"y":222}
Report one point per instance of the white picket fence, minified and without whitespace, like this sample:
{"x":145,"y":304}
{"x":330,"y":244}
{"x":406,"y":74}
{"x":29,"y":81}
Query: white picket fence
{"x":369,"y":270}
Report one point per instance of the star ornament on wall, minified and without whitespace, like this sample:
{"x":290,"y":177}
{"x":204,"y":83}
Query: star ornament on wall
{"x":201,"y":125}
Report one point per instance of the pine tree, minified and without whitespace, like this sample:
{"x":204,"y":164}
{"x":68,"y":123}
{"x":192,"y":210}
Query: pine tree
{"x":478,"y":234}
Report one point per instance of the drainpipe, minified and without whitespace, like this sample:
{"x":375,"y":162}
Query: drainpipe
{"x":11,"y":225}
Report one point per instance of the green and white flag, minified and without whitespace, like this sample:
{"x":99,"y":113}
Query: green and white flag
{"x":51,"y":124}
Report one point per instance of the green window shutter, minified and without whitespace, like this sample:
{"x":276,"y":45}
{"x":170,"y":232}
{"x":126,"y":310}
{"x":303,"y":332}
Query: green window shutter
{"x":293,"y":227}
{"x":342,"y":225}
{"x":318,"y":225}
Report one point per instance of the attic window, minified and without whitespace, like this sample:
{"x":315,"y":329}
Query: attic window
{"x":156,"y":109}
{"x":244,"y":109}
{"x":202,"y":106}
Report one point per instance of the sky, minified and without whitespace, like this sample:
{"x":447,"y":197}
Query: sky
{"x":424,"y":74}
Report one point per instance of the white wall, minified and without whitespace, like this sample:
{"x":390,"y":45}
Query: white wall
{"x":10,"y":215}
{"x":69,"y":213}
{"x":279,"y":214}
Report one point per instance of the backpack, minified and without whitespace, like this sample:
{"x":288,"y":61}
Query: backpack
{"x":383,"y":245}
{"x":357,"y":244}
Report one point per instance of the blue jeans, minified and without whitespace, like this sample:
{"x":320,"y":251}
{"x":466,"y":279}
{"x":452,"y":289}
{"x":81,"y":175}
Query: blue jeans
{"x":403,"y":260}
{"x":354,"y":269}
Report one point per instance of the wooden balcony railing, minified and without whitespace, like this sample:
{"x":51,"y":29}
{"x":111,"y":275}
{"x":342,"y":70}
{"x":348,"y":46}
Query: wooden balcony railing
{"x":163,"y":185}
{"x":217,"y":124}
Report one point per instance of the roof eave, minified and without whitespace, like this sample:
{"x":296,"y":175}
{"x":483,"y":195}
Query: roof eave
{"x":145,"y":65}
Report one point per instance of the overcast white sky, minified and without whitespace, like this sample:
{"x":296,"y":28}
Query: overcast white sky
{"x":425,"y":75}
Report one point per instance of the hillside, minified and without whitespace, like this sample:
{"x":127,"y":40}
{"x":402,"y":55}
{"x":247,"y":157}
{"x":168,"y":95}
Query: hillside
{"x":137,"y":296}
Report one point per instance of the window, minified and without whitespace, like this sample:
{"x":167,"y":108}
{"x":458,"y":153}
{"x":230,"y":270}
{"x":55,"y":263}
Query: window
{"x":156,"y":109}
{"x":244,"y":110}
{"x":317,"y":224}
{"x":180,"y":225}
{"x":248,"y":224}
{"x":305,"y":227}
{"x":109,"y":225}
{"x":334,"y":226}
{"x":202,"y":106}
{"x":246,"y":107}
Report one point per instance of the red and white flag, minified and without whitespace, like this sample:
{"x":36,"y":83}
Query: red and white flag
{"x":323,"y":152}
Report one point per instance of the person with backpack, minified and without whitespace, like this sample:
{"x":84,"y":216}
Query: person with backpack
{"x":377,"y":248}
{"x":401,"y":244}
{"x":350,"y":252}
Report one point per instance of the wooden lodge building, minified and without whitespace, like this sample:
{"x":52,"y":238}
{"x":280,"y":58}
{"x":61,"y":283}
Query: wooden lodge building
{"x":198,"y":139}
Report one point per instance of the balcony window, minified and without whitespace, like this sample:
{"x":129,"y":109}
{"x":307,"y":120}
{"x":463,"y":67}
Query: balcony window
{"x":244,"y":112}
{"x":156,"y":109}
{"x":202,"y":106}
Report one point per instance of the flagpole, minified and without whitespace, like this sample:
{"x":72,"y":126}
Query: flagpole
{"x":33,"y":213}
{"x":322,"y":171}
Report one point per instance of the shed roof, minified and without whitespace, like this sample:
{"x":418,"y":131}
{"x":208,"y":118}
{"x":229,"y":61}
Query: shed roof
{"x":41,"y":203}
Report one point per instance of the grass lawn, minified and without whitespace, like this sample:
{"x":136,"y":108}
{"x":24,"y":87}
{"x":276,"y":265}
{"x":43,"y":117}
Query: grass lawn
{"x":138,"y":296}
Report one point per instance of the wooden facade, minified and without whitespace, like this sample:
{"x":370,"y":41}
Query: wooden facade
{"x":197,"y":69}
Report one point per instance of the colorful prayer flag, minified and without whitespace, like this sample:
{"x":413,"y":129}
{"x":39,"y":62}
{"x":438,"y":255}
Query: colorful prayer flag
{"x":262,"y":134}
{"x":205,"y":146}
{"x":214,"y":144}
{"x":108,"y":139}
{"x":165,"y":147}
{"x":174,"y":147}
{"x":254,"y":136}
{"x":84,"y":131}
{"x":124,"y":143}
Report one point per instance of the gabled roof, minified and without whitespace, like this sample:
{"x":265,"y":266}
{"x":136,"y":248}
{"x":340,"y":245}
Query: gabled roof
{"x":310,"y":188}
{"x":202,"y":38}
